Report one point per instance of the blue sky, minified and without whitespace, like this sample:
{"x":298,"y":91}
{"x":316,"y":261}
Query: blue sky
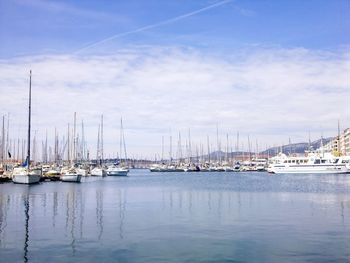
{"x":271,"y":69}
{"x":36,"y":26}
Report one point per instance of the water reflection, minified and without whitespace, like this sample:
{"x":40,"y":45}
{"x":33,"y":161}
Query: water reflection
{"x":342,"y":212}
{"x":99,"y":212}
{"x":100,"y":219}
{"x":71,"y":218}
{"x":81,"y":214}
{"x":54,"y":208}
{"x":26,"y":226}
{"x":4,"y":205}
{"x":122,"y":201}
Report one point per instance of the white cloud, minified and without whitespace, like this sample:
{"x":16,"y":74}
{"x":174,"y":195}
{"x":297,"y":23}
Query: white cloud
{"x":271,"y":94}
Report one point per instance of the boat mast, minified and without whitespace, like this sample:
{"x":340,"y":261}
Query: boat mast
{"x":98,"y":157}
{"x":7,"y":137}
{"x":82,"y":143}
{"x":179,"y":147}
{"x":249,"y":149}
{"x":218,"y":158}
{"x":120,"y":140}
{"x":74,"y":138}
{"x":29,"y":118}
{"x":189,"y":146}
{"x":227,"y":148}
{"x":162,"y":149}
{"x":55,"y":147}
{"x":68,"y":146}
{"x":101,"y":139}
{"x":170,"y":149}
{"x":124,"y":144}
{"x":338,"y":143}
{"x":208,"y":149}
{"x":3,"y":140}
{"x":237,"y":145}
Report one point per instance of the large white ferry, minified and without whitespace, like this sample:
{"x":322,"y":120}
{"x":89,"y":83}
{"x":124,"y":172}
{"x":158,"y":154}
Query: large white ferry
{"x":311,"y":163}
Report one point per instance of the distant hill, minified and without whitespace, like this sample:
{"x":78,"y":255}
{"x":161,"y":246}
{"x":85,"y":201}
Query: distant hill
{"x":299,"y":148}
{"x":296,"y":147}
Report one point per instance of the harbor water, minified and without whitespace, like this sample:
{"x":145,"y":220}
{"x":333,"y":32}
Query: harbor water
{"x":178,"y":217}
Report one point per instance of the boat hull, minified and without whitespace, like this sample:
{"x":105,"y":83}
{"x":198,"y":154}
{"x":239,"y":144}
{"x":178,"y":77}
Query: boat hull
{"x":117,"y":173}
{"x":81,"y":171}
{"x":73,"y":178}
{"x":26,"y":179}
{"x":98,"y":172}
{"x":310,"y":169}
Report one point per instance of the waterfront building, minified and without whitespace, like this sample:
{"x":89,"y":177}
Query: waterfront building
{"x":344,"y":142}
{"x":340,"y":144}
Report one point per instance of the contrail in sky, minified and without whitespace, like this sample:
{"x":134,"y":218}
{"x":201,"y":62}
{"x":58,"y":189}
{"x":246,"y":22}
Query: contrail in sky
{"x":168,"y":21}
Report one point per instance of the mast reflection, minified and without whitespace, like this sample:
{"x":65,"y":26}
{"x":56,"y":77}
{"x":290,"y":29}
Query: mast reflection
{"x":122,"y":208}
{"x":26,"y":225}
{"x":99,"y":212}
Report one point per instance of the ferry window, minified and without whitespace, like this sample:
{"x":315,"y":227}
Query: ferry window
{"x":317,"y":161}
{"x":323,"y":161}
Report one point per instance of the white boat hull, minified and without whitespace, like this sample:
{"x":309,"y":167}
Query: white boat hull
{"x":20,"y":175}
{"x":117,"y":172}
{"x":310,"y":169}
{"x":98,"y":172}
{"x":81,"y":171}
{"x":74,"y":178}
{"x":26,"y":178}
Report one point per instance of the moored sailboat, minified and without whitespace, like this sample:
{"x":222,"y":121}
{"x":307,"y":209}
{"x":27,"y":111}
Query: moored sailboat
{"x":99,"y":170}
{"x":70,"y":173}
{"x":120,"y":169}
{"x":24,"y":175}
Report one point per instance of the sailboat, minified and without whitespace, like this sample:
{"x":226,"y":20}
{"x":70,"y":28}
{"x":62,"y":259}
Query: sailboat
{"x":99,"y":170}
{"x":24,"y":175}
{"x":120,"y":169}
{"x":70,"y":173}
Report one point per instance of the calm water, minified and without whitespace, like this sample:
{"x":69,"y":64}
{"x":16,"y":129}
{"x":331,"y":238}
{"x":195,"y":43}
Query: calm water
{"x":178,"y":217}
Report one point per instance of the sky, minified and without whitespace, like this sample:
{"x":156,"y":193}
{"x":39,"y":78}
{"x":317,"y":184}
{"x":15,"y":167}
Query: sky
{"x":273,"y":70}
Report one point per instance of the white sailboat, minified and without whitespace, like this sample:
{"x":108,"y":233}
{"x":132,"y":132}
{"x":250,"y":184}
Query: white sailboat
{"x":24,"y":175}
{"x":70,"y":173}
{"x":120,"y":169}
{"x":99,"y":170}
{"x":115,"y":170}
